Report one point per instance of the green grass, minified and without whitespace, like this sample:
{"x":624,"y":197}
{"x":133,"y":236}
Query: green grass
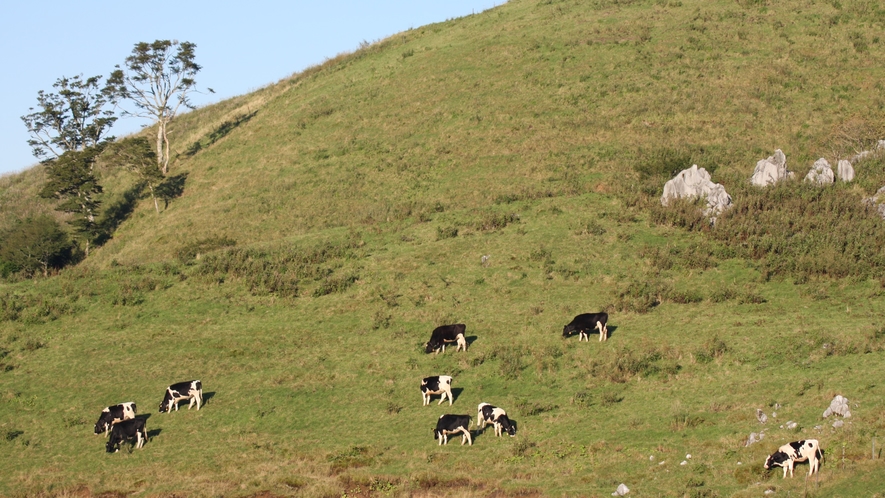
{"x":330,"y":221}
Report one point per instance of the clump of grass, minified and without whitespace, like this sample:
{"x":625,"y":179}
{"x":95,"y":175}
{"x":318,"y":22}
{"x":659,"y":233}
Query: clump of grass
{"x":194,"y":250}
{"x":353,"y":457}
{"x":449,"y":232}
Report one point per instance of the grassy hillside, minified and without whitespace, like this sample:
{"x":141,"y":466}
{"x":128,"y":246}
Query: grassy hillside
{"x":330,"y":221}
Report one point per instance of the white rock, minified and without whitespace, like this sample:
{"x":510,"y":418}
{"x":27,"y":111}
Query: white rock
{"x":821,"y":173}
{"x":844,"y":170}
{"x":622,"y":490}
{"x":683,"y":463}
{"x":695,"y":182}
{"x":838,"y":423}
{"x":688,"y":457}
{"x":651,"y":458}
{"x":839,"y":406}
{"x":770,"y":171}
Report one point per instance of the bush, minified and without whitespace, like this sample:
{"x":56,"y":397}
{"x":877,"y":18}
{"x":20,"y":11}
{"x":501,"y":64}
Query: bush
{"x":35,"y":245}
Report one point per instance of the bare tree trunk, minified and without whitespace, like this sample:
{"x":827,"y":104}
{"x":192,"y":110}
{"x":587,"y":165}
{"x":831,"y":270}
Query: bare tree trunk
{"x":161,"y":133}
{"x":154,"y":197}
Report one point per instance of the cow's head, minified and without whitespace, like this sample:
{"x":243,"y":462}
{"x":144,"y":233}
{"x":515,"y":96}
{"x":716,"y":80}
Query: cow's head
{"x":776,"y":459}
{"x":567,"y":330}
{"x":111,"y":447}
{"x":431,"y":347}
{"x":101,"y":426}
{"x":167,"y":403}
{"x":435,"y":434}
{"x":508,"y":426}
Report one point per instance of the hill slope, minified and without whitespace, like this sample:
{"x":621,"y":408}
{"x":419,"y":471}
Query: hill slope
{"x":331,"y":220}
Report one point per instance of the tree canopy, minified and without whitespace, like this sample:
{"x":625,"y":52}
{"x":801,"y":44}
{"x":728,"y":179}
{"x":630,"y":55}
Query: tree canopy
{"x":73,"y":118}
{"x":158,"y":78}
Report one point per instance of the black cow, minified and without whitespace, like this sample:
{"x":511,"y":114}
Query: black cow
{"x":587,"y":322}
{"x":114,"y":414}
{"x":452,"y":424}
{"x":446,"y":333}
{"x":797,"y":451}
{"x":438,"y":384}
{"x":192,"y":390}
{"x":488,"y":414}
{"x":126,"y":430}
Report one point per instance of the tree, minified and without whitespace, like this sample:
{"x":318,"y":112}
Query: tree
{"x":35,"y":244}
{"x":135,"y":155}
{"x":73,"y":119}
{"x":158,"y":78}
{"x":70,"y":179}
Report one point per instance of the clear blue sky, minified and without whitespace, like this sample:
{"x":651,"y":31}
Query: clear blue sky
{"x":242,"y":46}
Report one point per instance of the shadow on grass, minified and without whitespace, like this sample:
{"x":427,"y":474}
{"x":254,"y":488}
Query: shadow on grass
{"x":207,"y":396}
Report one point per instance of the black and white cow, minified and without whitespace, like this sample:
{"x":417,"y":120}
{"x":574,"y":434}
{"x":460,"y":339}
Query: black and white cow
{"x":488,"y":414}
{"x":114,"y":414}
{"x":797,"y":451}
{"x":587,"y":322}
{"x":447,"y":333}
{"x":452,"y":424}
{"x":126,"y":430}
{"x":438,"y":384}
{"x":192,"y":390}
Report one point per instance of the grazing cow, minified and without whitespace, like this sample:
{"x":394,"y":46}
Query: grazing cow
{"x":438,"y":384}
{"x":797,"y":451}
{"x":452,"y":424}
{"x":192,"y":390}
{"x":114,"y":414}
{"x":588,"y":322}
{"x":488,"y":414}
{"x":446,"y":333}
{"x":126,"y":430}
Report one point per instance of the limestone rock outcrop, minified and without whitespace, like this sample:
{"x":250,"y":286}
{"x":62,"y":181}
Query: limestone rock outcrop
{"x":844,"y":170}
{"x":772,"y":170}
{"x":821,"y":173}
{"x":695,"y":182}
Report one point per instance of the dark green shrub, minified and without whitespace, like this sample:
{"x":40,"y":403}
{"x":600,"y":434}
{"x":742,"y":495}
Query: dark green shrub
{"x":35,"y":245}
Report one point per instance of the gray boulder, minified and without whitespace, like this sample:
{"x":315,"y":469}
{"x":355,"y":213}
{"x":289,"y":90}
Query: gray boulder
{"x":821,"y":173}
{"x":880,"y":147}
{"x":839,"y":406}
{"x":772,"y":170}
{"x":845,"y":170}
{"x":877,"y":202}
{"x":695,"y":182}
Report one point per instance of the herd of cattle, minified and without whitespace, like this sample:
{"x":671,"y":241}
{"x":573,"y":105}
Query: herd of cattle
{"x":451,"y":424}
{"x":485,"y":413}
{"x":120,"y":421}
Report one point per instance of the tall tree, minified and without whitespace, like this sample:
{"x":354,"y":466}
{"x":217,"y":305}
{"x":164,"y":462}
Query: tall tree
{"x":158,"y":78}
{"x":73,"y":118}
{"x":135,"y":155}
{"x":71,"y":179}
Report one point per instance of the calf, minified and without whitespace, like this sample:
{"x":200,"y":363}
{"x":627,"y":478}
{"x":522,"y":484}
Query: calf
{"x":192,"y":390}
{"x":114,"y":414}
{"x":488,"y":414}
{"x":452,"y":424}
{"x":446,"y":333}
{"x":588,"y":322}
{"x":438,"y":384}
{"x":126,"y":430}
{"x":797,"y":451}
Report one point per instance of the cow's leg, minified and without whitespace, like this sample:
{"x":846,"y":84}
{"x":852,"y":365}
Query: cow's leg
{"x":469,"y":438}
